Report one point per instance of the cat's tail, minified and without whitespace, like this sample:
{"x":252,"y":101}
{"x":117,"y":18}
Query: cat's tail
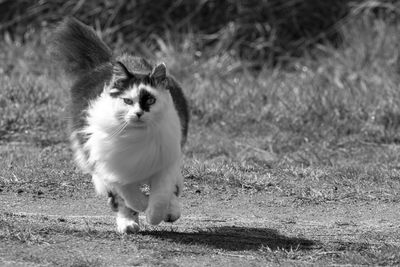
{"x":77,"y":49}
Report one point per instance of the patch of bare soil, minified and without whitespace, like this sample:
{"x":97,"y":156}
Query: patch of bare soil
{"x":216,"y":229}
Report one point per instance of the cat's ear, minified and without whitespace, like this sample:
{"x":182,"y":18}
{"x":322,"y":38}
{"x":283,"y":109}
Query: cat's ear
{"x":121,"y":70}
{"x":121,"y":73}
{"x":159,"y":72}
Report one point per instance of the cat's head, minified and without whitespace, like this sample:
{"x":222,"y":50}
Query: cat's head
{"x":140,"y":99}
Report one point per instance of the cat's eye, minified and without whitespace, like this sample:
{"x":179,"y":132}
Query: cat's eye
{"x":128,"y":101}
{"x":150,"y":101}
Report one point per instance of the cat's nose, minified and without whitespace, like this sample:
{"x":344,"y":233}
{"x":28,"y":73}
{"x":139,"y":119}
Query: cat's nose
{"x":139,"y":114}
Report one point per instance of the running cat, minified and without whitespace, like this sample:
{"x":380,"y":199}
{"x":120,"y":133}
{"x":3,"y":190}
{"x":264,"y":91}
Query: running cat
{"x":129,"y":121}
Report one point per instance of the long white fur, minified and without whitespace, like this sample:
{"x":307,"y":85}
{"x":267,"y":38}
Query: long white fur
{"x":125,"y":152}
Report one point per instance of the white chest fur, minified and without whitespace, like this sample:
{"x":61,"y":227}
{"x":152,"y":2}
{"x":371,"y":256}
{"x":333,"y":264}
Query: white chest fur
{"x":135,"y":154}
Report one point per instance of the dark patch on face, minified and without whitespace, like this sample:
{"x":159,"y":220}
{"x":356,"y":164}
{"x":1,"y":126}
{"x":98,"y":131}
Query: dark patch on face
{"x":131,"y":80}
{"x":145,"y":100}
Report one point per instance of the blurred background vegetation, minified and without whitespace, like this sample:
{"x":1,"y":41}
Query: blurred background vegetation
{"x":257,"y":31}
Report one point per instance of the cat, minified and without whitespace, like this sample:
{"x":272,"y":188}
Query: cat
{"x":129,"y":122}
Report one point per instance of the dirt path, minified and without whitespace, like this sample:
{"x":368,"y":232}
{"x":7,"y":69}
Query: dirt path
{"x":216,"y":229}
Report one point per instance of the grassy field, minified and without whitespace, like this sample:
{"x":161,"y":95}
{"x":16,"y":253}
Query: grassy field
{"x":296,"y":164}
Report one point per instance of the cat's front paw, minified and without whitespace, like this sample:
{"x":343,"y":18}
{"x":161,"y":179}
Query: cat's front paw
{"x":127,"y":226}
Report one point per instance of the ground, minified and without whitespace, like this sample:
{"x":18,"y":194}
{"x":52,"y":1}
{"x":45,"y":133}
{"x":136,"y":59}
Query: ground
{"x":217,"y":229}
{"x":56,"y":219}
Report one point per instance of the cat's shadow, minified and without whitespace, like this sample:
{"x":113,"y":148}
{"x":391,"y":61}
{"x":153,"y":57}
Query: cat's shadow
{"x":236,"y":238}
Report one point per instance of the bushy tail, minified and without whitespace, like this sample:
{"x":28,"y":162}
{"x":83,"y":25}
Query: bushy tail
{"x":77,"y":49}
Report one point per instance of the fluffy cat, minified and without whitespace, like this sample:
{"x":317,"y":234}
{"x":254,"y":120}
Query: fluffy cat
{"x":129,"y":120}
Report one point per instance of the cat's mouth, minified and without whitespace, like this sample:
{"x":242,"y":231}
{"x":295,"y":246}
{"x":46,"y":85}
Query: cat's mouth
{"x":138,"y":124}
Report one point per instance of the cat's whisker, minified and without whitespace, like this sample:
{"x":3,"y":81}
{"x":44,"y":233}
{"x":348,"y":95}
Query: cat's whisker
{"x":119,"y":130}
